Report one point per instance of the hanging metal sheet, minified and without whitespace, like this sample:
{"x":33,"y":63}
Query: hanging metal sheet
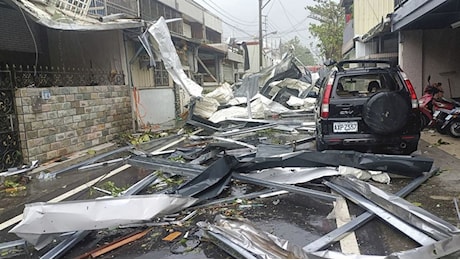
{"x":168,"y":54}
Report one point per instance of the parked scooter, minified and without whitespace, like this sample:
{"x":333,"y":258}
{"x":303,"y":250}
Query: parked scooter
{"x":448,"y":121}
{"x":439,"y":120}
{"x":426,"y":104}
{"x":434,"y":107}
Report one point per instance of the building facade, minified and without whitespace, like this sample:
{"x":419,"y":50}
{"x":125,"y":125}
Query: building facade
{"x":72,"y":77}
{"x":420,"y":35}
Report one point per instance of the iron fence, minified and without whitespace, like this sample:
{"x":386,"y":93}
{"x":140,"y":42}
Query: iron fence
{"x":44,"y":76}
{"x":10,"y":154}
{"x":13,"y":77}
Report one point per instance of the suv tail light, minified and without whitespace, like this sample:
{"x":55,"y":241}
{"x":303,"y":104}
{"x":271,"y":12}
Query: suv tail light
{"x":326,"y":98}
{"x":413,"y":95}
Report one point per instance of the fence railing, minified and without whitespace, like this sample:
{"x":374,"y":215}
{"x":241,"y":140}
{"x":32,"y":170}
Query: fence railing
{"x":12,"y":76}
{"x":106,"y":7}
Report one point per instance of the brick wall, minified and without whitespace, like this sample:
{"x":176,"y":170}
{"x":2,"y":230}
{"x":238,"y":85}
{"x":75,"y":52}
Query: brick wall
{"x":73,"y":119}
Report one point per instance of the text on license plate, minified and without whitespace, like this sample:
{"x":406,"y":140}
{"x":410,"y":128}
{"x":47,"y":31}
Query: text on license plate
{"x":345,"y":127}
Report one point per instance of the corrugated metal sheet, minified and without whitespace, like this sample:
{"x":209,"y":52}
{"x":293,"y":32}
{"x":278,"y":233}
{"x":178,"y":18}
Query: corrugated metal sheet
{"x":368,"y":13}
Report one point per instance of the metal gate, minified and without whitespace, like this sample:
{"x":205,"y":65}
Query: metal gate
{"x":10,"y":149}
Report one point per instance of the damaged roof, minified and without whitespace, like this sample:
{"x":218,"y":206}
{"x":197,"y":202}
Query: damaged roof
{"x":59,"y":18}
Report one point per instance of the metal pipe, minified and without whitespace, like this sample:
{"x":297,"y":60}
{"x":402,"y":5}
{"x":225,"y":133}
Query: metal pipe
{"x":11,"y":244}
{"x":92,"y":160}
{"x":101,"y":164}
{"x":245,"y":130}
{"x":291,"y":188}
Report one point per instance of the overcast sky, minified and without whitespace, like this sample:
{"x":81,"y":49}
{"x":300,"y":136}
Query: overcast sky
{"x":288,"y":18}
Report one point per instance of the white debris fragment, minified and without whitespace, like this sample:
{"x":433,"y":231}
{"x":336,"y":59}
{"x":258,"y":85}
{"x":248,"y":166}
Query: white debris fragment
{"x":206,"y":107}
{"x":377,"y":176}
{"x":223,"y":94}
{"x":168,"y":55}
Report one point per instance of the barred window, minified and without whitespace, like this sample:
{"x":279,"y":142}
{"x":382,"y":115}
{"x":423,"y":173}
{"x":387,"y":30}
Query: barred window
{"x":161,"y":75}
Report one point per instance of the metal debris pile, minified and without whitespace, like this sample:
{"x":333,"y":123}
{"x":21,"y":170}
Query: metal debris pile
{"x":248,"y":158}
{"x":211,"y":165}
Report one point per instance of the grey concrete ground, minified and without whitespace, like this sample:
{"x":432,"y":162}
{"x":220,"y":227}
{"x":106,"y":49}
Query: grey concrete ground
{"x":437,"y":194}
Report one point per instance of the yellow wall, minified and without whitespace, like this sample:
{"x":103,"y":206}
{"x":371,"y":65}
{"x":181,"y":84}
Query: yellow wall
{"x":368,"y":13}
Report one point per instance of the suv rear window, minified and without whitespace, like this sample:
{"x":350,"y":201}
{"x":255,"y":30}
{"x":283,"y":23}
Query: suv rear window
{"x":365,"y":85}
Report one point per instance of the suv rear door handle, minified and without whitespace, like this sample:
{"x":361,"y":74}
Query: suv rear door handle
{"x":343,"y":105}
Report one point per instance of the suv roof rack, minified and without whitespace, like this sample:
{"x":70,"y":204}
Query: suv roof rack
{"x":365,"y":64}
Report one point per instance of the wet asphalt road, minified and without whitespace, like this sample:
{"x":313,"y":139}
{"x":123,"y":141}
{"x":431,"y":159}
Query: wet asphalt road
{"x":297,"y":218}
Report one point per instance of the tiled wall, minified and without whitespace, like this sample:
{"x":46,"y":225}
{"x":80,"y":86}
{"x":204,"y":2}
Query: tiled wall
{"x":72,"y":119}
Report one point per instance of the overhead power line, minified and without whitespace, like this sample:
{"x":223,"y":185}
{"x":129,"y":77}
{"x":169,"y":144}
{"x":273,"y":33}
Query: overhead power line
{"x":227,"y":15}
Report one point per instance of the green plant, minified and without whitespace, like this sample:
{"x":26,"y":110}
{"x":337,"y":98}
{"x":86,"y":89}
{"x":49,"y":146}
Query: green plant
{"x":10,"y":184}
{"x":112,"y":188}
{"x":177,"y":159}
{"x":169,"y":181}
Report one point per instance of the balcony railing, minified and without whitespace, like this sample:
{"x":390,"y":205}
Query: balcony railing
{"x":104,"y":7}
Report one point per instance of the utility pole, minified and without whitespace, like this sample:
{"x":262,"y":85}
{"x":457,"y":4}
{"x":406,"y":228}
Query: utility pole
{"x":261,"y":40}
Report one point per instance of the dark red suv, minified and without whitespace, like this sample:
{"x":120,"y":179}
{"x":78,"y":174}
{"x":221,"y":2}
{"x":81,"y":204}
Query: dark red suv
{"x":367,"y":106}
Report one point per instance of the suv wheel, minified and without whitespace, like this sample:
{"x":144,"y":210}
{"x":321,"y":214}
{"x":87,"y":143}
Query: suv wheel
{"x":386,"y":112}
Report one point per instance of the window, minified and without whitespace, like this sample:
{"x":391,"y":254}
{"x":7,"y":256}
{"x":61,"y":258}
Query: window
{"x":161,"y":75}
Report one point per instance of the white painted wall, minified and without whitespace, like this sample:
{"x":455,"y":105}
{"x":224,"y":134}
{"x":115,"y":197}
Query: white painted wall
{"x":187,"y":30}
{"x":213,"y":22}
{"x":442,"y":59}
{"x":191,"y":9}
{"x":253,"y":53}
{"x":156,"y":106}
{"x":435,"y":53}
{"x":411,"y":58}
{"x":368,"y":13}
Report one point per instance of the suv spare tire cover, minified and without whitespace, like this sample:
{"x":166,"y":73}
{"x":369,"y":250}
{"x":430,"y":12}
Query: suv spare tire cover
{"x":386,"y":112}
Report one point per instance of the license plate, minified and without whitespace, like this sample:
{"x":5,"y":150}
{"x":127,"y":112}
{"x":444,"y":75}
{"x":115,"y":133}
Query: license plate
{"x":345,"y":127}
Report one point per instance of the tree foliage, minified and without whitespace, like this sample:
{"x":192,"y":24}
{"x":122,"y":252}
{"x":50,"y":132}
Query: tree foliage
{"x":329,"y":27}
{"x":300,"y":51}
